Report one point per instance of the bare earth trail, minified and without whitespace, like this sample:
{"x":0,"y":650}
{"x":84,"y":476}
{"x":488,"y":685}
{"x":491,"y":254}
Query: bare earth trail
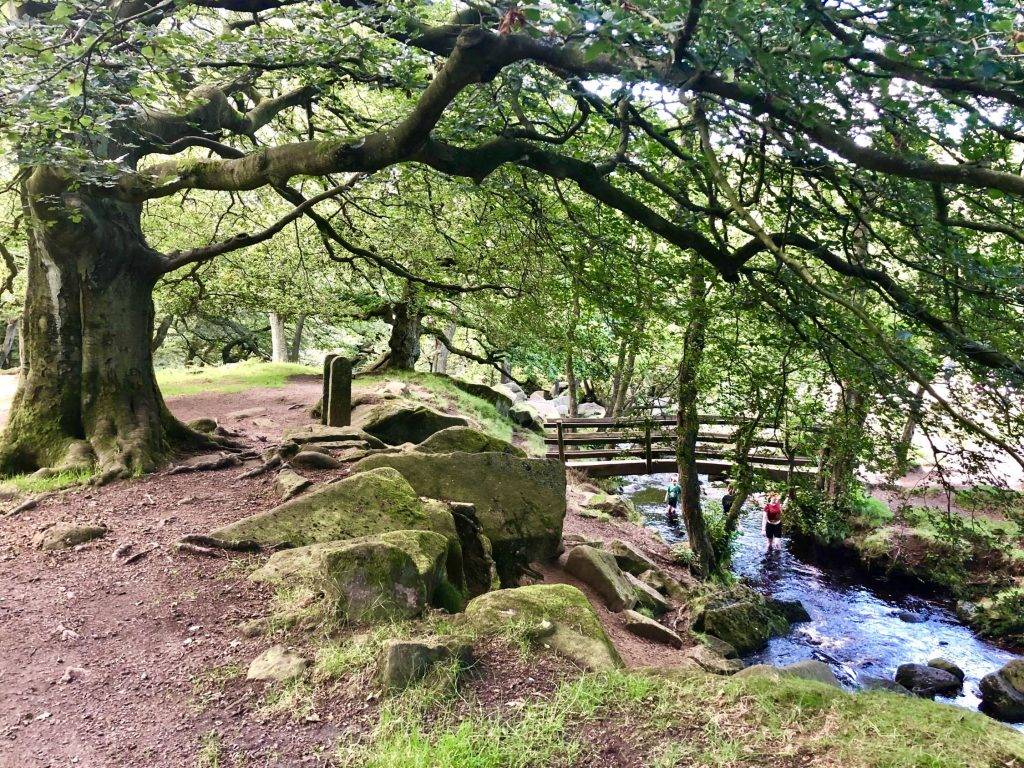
{"x":107,"y":664}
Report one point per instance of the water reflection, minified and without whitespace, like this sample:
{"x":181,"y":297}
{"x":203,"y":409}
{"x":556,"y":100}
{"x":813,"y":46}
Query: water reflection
{"x":860,"y":630}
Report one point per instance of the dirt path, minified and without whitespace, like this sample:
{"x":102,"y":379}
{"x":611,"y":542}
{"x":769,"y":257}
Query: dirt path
{"x":108,"y":665}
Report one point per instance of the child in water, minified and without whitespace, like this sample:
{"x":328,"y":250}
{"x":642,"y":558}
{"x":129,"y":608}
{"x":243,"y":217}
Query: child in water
{"x":672,"y":494}
{"x":771,"y":524}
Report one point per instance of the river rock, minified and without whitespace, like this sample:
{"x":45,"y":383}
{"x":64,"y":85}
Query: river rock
{"x":396,"y":421}
{"x":910,"y":617}
{"x":629,"y":557}
{"x":811,"y":669}
{"x":926,"y":681}
{"x":613,"y":506}
{"x":647,"y":597}
{"x":63,"y":535}
{"x":665,"y":584}
{"x":793,"y":610}
{"x":649,"y":629}
{"x":520,"y":503}
{"x":314,"y":460}
{"x":947,"y":666}
{"x":557,"y":616}
{"x":870,"y":683}
{"x":1002,"y":692}
{"x":719,"y":646}
{"x":598,"y":570}
{"x":746,"y":625}
{"x":278,"y":664}
{"x":403,"y":662}
{"x":467,"y":440}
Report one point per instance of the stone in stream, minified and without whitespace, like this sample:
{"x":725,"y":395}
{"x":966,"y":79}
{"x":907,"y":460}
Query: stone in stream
{"x":647,"y":597}
{"x":629,"y":557}
{"x":598,"y":570}
{"x":467,"y":440}
{"x":926,"y":681}
{"x":870,"y":683}
{"x":403,"y":662}
{"x":520,"y":503}
{"x":278,"y":664}
{"x":314,"y":460}
{"x":747,"y":625}
{"x":649,"y":629}
{"x":793,"y":610}
{"x":557,"y":616}
{"x":1002,"y":692}
{"x":64,"y":535}
{"x":947,"y":666}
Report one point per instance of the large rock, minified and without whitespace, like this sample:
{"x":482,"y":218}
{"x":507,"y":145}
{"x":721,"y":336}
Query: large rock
{"x":711,"y":661}
{"x":396,"y":421}
{"x":927,"y":681}
{"x":388,"y":577}
{"x":403,"y":662}
{"x":557,"y":616}
{"x":364,"y":504}
{"x":746,"y":625}
{"x":665,"y":584}
{"x":466,"y":440}
{"x":647,"y":597}
{"x":629,"y":558}
{"x":872,"y":683}
{"x":520,"y":503}
{"x":811,"y":669}
{"x":500,"y":397}
{"x":719,"y":646}
{"x":1002,"y":692}
{"x":65,"y":535}
{"x":649,"y":629}
{"x":512,"y":391}
{"x":525,"y":415}
{"x":613,"y":506}
{"x":319,"y":433}
{"x":277,"y":664}
{"x":598,"y":570}
{"x":314,"y":460}
{"x":793,"y":610}
{"x":947,"y":666}
{"x":289,"y":484}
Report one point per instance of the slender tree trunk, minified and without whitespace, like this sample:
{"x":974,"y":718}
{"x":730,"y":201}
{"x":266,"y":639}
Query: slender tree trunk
{"x":278,"y":345}
{"x":902,"y":448}
{"x":439,"y":360}
{"x":10,"y":336}
{"x":87,"y":396}
{"x":688,"y":422}
{"x":404,"y":344}
{"x":296,"y":345}
{"x":570,"y":366}
{"x":161,"y":332}
{"x":620,"y":363}
{"x":619,"y":407}
{"x":842,"y":446}
{"x":506,"y":371}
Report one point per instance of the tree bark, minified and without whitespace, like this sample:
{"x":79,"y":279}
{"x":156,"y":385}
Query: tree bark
{"x":88,"y":396}
{"x":439,"y":360}
{"x":278,"y":345}
{"x":688,"y":424}
{"x":161,"y":332}
{"x":404,"y":343}
{"x":296,"y":345}
{"x":10,"y":337}
{"x":902,"y":448}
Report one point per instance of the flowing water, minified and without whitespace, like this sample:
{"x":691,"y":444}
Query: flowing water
{"x":861,"y":630}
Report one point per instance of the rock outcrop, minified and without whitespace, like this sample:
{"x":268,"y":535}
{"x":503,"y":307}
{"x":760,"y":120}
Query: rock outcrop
{"x":557,"y":616}
{"x":1002,"y":692}
{"x":520,"y":503}
{"x":467,"y":440}
{"x":398,"y":421}
{"x":746,"y":625}
{"x":927,"y":681}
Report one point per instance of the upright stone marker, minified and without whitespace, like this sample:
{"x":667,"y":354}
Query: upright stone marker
{"x":339,"y":400}
{"x":327,"y":387}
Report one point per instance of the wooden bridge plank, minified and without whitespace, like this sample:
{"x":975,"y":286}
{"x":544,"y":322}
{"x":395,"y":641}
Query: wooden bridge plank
{"x":639,"y":467}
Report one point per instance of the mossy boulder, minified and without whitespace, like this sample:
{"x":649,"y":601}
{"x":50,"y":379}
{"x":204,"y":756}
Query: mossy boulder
{"x":520,"y":503}
{"x":746,"y":625}
{"x":557,"y":616}
{"x":388,"y":577}
{"x":811,"y":669}
{"x":613,"y":506}
{"x":399,"y":421}
{"x":629,"y":557}
{"x":1002,"y":692}
{"x":204,"y":424}
{"x":360,"y":505}
{"x":403,"y":662}
{"x":336,"y":436}
{"x":599,"y":571}
{"x":64,"y":535}
{"x":649,"y":629}
{"x":467,"y":440}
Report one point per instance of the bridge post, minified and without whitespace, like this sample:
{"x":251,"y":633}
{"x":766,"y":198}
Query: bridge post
{"x":561,"y":443}
{"x":647,"y":447}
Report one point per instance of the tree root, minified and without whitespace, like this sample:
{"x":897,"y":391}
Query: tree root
{"x":219,"y":462}
{"x":210,"y":542}
{"x":273,"y":462}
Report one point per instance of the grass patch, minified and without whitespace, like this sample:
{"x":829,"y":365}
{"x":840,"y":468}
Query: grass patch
{"x":210,"y":751}
{"x":30,"y":484}
{"x":236,"y":377}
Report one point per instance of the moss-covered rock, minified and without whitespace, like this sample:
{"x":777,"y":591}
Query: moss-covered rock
{"x":598,"y":570}
{"x":811,"y":669}
{"x":554,"y":615}
{"x":520,"y":503}
{"x":204,"y":424}
{"x":403,"y":662}
{"x":398,"y":421}
{"x":613,"y":506}
{"x":466,"y":440}
{"x":746,"y":625}
{"x":1002,"y":692}
{"x":629,"y":557}
{"x":289,"y":484}
{"x":387,"y":577}
{"x":65,"y":535}
{"x":320,"y":434}
{"x":649,"y":629}
{"x":360,"y":505}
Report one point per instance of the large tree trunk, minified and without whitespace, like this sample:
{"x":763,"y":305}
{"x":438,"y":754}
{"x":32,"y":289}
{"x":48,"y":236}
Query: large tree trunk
{"x":87,"y":397}
{"x":688,"y":422}
{"x":278,"y":345}
{"x":404,"y":343}
{"x":840,"y":455}
{"x":296,"y":346}
{"x":439,"y":360}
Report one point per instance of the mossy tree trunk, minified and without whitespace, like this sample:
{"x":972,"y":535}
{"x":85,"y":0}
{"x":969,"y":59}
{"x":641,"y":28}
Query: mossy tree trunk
{"x":87,"y":397}
{"x":688,"y":422}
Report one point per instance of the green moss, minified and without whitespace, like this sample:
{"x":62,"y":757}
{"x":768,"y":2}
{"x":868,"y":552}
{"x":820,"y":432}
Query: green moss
{"x":236,"y":377}
{"x":30,"y":484}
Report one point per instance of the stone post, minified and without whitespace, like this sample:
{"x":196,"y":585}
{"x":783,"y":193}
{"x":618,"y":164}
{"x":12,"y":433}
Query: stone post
{"x":325,"y":397}
{"x":338,"y":405}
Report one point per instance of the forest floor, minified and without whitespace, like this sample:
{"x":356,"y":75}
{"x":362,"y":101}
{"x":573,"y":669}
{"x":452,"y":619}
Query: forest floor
{"x":109,"y":663}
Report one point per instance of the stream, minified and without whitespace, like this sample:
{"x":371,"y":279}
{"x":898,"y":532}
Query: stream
{"x":861,"y":630}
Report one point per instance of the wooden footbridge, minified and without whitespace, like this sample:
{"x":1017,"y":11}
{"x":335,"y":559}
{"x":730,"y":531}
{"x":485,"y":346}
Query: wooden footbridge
{"x":614,"y":447}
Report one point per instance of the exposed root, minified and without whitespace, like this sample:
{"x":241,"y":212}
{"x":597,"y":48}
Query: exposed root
{"x":220,"y":462}
{"x":26,"y":505}
{"x":194,"y":549}
{"x":210,"y":542}
{"x":273,"y":462}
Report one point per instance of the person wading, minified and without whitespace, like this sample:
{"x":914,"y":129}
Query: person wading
{"x":672,"y":494}
{"x":771,"y":525}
